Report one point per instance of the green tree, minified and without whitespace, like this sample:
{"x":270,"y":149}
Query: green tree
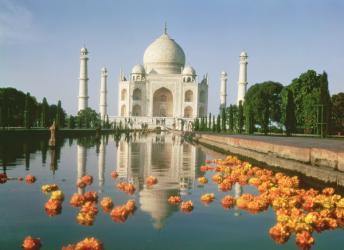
{"x":289,"y":119}
{"x":223,"y":120}
{"x":337,"y":117}
{"x":214,"y":124}
{"x":240,"y":117}
{"x":44,"y":113}
{"x":264,"y":102}
{"x":58,"y":114}
{"x":249,"y":123}
{"x":209,"y":121}
{"x":218,"y":124}
{"x":27,"y":112}
{"x":231,"y":118}
{"x":89,"y":118}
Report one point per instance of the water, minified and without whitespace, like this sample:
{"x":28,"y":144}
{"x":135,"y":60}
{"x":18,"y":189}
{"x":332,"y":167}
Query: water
{"x":155,"y":224}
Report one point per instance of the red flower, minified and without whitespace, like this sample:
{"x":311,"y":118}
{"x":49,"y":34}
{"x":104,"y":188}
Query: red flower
{"x":30,"y":179}
{"x":114,"y":174}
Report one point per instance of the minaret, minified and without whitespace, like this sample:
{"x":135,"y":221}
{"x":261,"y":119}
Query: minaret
{"x":242,"y":77}
{"x":83,"y":79}
{"x":103,"y":94}
{"x":223,"y":90}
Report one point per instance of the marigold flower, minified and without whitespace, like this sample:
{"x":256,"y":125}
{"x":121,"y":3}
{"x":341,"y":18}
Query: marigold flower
{"x":227,"y":201}
{"x":174,"y":200}
{"x":30,"y":179}
{"x":89,"y":244}
{"x":89,"y":208}
{"x":202,"y":180}
{"x":130,"y":206}
{"x":206,"y":168}
{"x":207,"y":198}
{"x":304,"y":240}
{"x":151,"y":180}
{"x":328,"y":191}
{"x":77,"y":200}
{"x":114,"y":175}
{"x":57,"y":195}
{"x":91,"y":196}
{"x":31,"y":243}
{"x":47,"y":188}
{"x":107,"y":204}
{"x":85,"y":219}
{"x":187,"y":206}
{"x":53,"y":205}
{"x":69,"y":247}
{"x":87,"y":179}
{"x":279,"y":233}
{"x":217,"y":178}
{"x":3,"y":178}
{"x":119,"y":212}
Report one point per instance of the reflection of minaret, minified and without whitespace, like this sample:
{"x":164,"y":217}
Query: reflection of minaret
{"x":237,"y":194}
{"x":101,"y":164}
{"x":81,"y":158}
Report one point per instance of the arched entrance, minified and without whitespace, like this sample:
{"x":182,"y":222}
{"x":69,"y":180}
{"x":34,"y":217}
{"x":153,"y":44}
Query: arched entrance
{"x":163,"y":103}
{"x":188,"y":112}
{"x":136,"y":110}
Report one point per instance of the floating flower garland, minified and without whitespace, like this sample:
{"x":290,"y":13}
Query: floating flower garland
{"x":86,"y":244}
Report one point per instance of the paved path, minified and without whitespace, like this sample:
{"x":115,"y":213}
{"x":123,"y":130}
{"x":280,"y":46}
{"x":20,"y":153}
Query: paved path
{"x":305,"y":142}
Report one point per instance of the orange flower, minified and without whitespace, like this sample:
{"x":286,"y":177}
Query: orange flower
{"x":227,"y":201}
{"x":91,"y":196}
{"x":87,"y":179}
{"x":114,"y":174}
{"x":174,"y":200}
{"x":217,"y":178}
{"x":57,"y":195}
{"x":107,"y":204}
{"x":224,"y":186}
{"x":202,"y":180}
{"x":129,"y":188}
{"x":304,"y":240}
{"x":151,"y":180}
{"x":279,"y":233}
{"x":85,"y":219}
{"x":187,"y":206}
{"x":53,"y":205}
{"x":130,"y":206}
{"x":69,"y":247}
{"x":49,"y":188}
{"x":77,"y":200}
{"x":89,"y":244}
{"x":3,"y":178}
{"x":328,"y":191}
{"x":30,"y":243}
{"x":207,"y":198}
{"x":30,"y":179}
{"x":206,"y":168}
{"x":119,"y":213}
{"x":89,"y":208}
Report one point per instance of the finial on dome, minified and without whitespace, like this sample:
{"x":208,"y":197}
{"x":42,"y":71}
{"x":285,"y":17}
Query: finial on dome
{"x":165,"y":28}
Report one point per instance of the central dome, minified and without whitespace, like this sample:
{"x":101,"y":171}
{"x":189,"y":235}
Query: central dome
{"x":164,"y":56}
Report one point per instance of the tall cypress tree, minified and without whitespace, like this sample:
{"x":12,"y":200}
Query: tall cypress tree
{"x":290,"y":119}
{"x":223,"y":120}
{"x":218,"y":124}
{"x":214,"y":124}
{"x":231,"y":118}
{"x":249,"y":124}
{"x":209,"y":121}
{"x":240,"y":117}
{"x":44,"y":113}
{"x":27,"y":112}
{"x":58,"y":114}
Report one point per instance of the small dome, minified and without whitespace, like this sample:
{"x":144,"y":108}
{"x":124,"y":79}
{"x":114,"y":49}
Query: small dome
{"x":188,"y":70}
{"x":104,"y":69}
{"x":138,"y":69}
{"x":223,"y":73}
{"x":164,"y":55}
{"x":83,"y":50}
{"x":242,"y":54}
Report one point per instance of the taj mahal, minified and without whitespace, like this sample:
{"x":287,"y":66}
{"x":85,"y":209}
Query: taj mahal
{"x":163,"y":91}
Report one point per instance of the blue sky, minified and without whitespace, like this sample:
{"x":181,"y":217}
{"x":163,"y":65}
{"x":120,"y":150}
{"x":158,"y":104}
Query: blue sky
{"x":40,"y":42}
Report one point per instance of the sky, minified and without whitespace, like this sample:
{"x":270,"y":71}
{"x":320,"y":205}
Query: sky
{"x":40,"y":42}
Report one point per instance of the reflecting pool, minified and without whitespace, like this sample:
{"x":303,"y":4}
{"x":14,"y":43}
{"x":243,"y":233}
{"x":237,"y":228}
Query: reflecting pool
{"x":155,"y":224}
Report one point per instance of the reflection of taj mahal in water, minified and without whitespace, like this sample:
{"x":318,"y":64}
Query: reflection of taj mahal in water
{"x":173,"y":162}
